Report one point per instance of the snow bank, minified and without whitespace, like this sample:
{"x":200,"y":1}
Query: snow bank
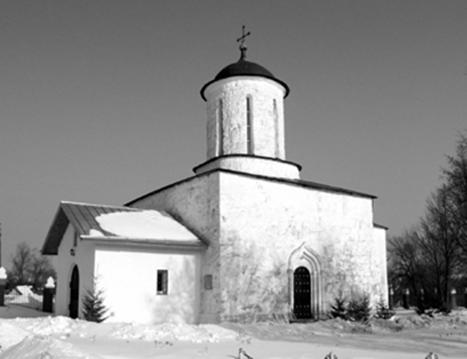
{"x":148,"y":224}
{"x":435,"y":320}
{"x":10,"y":334}
{"x":65,"y":338}
{"x":46,"y":326}
{"x":45,"y":348}
{"x":175,"y":332}
{"x":64,"y":327}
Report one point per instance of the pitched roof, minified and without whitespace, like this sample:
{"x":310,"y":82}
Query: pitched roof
{"x":118,"y":224}
{"x":296,"y":182}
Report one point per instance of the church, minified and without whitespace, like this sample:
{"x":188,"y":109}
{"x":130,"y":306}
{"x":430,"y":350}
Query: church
{"x":244,"y":238}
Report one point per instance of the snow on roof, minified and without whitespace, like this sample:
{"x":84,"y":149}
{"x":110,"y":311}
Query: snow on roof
{"x":95,"y":233}
{"x":148,"y":224}
{"x":118,"y":223}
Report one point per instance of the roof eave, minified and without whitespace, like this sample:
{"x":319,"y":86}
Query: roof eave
{"x":280,"y":82}
{"x":147,"y":242}
{"x":300,"y":183}
{"x":380,"y":226}
{"x":55,"y":233}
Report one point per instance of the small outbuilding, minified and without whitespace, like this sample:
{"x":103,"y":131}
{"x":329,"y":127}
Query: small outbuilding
{"x":129,"y":253}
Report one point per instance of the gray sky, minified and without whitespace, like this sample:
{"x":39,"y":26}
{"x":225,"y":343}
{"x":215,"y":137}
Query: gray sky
{"x":99,"y":100}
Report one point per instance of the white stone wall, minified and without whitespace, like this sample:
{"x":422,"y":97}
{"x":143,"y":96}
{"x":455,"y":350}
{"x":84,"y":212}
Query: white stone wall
{"x":64,"y":263}
{"x":253,"y":226}
{"x":128,"y":278}
{"x":379,"y":265}
{"x":267,"y":121}
{"x":263,"y":222}
{"x":195,"y":203}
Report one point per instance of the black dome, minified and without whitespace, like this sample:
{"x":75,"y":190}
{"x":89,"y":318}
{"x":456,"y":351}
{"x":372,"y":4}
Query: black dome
{"x":244,"y":68}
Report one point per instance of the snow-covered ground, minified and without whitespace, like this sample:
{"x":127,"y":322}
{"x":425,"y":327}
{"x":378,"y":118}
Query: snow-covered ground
{"x":407,"y":337}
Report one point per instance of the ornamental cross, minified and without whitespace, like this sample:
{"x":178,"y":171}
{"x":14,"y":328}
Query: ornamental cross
{"x":241,"y":41}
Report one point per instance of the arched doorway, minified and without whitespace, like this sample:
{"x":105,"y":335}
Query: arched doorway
{"x":305,"y":289}
{"x":74,"y":293}
{"x":302,"y":293}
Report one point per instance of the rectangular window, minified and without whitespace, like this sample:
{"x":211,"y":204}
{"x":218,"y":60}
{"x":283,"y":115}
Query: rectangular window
{"x":162,"y":281}
{"x":208,"y":281}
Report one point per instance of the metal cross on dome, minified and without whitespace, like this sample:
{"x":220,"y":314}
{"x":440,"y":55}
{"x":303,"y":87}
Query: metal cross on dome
{"x":241,"y":41}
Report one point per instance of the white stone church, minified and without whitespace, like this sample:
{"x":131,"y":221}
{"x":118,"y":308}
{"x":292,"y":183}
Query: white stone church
{"x":243,"y":238}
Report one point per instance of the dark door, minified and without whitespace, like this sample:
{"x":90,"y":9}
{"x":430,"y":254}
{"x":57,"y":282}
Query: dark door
{"x":302,"y":293}
{"x":74,"y":293}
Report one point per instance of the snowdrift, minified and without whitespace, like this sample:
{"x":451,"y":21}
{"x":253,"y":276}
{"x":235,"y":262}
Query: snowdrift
{"x":45,"y":348}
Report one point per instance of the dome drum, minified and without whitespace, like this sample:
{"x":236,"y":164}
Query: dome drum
{"x":245,"y":117}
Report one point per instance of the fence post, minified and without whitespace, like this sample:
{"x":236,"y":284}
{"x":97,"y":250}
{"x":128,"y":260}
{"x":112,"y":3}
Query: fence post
{"x":3,"y":278}
{"x":48,"y":296}
{"x":453,"y":298}
{"x":465,"y":297}
{"x":421,"y":301}
{"x":406,"y":298}
{"x":391,"y":298}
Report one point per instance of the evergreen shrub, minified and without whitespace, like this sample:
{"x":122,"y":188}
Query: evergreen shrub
{"x":359,"y":309}
{"x":94,"y":309}
{"x":339,"y":308}
{"x":383,"y":311}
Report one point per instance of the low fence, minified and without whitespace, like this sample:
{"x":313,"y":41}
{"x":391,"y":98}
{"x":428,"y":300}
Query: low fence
{"x":408,"y":298}
{"x":242,"y":354}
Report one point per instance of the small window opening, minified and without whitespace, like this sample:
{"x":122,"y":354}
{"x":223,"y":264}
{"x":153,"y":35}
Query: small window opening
{"x":75,"y":239}
{"x":220,"y":128}
{"x":162,"y":281}
{"x":276,"y":128}
{"x":208,"y":281}
{"x":249,"y":125}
